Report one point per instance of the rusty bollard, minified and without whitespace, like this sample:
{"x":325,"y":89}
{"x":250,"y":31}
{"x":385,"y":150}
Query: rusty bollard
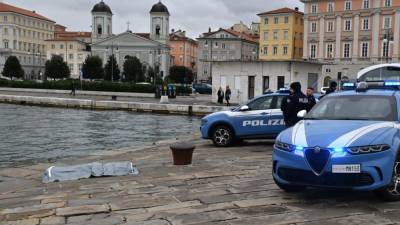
{"x":182,"y":153}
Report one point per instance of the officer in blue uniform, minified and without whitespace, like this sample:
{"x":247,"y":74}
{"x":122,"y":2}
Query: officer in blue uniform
{"x":294,"y":103}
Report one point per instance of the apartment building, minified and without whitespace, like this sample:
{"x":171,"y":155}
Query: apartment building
{"x":281,"y":34}
{"x":183,"y":50}
{"x":23,"y":34}
{"x":348,"y":35}
{"x":224,"y":45}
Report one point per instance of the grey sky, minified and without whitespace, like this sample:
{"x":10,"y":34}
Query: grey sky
{"x":194,"y":16}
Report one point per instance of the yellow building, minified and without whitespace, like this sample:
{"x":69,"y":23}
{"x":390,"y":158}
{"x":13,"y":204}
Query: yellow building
{"x":281,"y":34}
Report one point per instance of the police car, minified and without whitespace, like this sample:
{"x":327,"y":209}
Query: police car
{"x":348,"y":140}
{"x":259,"y":118}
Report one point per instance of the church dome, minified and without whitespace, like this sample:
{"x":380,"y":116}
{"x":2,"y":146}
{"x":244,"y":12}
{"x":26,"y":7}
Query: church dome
{"x":159,"y":8}
{"x":101,"y":7}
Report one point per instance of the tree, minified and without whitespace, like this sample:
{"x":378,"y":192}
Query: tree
{"x":181,"y":74}
{"x":112,"y":69}
{"x":12,"y":68}
{"x":92,"y":68}
{"x":133,"y":69}
{"x":56,"y":68}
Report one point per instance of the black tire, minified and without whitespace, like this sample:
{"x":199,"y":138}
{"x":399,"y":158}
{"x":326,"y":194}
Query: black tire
{"x":391,"y":192}
{"x":223,"y":136}
{"x":289,"y":188}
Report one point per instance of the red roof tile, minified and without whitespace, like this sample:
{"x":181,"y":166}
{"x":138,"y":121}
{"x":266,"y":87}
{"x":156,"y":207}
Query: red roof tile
{"x":280,"y":11}
{"x":9,"y":8}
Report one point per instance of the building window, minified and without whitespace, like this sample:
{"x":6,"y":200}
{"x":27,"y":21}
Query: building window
{"x":330,"y":7}
{"x":71,"y":56}
{"x":365,"y":24}
{"x":286,"y":19}
{"x":387,"y":22}
{"x":61,"y":46}
{"x":266,"y":34}
{"x":388,"y":3}
{"x":285,"y":50}
{"x":313,"y":51}
{"x":365,"y":4}
{"x":329,"y":51}
{"x":266,"y":21}
{"x":5,"y":31}
{"x":364,"y":49}
{"x":347,"y":25}
{"x":313,"y":27}
{"x":275,"y":35}
{"x":5,"y":43}
{"x":5,"y":18}
{"x":275,"y":50}
{"x":347,"y":5}
{"x":330,"y":26}
{"x":346,"y":50}
{"x":314,"y":8}
{"x":276,"y":20}
{"x":71,"y":46}
{"x":285,"y":35}
{"x":53,"y":46}
{"x":385,"y":52}
{"x":265,"y":50}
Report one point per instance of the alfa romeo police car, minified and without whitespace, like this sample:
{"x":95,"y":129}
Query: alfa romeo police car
{"x":259,"y":118}
{"x":348,"y":140}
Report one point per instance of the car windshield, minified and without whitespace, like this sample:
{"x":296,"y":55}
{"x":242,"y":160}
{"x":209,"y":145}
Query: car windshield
{"x":355,"y":107}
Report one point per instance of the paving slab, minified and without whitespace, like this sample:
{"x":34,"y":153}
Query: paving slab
{"x":224,"y":186}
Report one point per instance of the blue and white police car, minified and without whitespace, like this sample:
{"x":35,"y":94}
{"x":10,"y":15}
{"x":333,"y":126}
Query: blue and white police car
{"x":348,"y":140}
{"x":259,"y":118}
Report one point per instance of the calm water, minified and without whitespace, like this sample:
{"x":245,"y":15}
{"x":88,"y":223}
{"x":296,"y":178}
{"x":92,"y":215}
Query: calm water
{"x":29,"y":135}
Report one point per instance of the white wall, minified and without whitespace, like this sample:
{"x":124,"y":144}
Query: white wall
{"x":235,"y":74}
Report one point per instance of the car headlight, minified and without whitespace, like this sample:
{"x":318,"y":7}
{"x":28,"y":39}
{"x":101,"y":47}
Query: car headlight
{"x":368,"y":149}
{"x":284,"y":146}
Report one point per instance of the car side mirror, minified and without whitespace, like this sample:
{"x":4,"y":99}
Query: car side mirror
{"x":302,"y":113}
{"x":244,"y":108}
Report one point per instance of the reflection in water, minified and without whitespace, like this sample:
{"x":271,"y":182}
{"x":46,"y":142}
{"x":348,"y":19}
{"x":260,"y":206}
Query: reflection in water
{"x":29,"y":135}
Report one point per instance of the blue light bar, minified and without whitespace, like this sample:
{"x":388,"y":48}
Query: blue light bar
{"x":349,"y":85}
{"x":392,"y":83}
{"x":299,"y":148}
{"x":338,"y":150}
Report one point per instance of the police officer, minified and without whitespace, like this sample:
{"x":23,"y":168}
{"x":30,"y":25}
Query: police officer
{"x":311,"y":98}
{"x":332,"y":88}
{"x":294,"y":103}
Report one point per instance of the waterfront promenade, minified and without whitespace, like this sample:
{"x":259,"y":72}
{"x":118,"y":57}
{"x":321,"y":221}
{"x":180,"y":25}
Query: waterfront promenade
{"x":224,"y":186}
{"x":184,"y":105}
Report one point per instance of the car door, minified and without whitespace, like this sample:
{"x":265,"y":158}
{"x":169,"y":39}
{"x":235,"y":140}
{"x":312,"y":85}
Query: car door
{"x":254,"y":121}
{"x":276,"y":117}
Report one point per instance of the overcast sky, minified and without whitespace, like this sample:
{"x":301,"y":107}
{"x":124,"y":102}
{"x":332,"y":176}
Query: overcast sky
{"x":194,"y":16}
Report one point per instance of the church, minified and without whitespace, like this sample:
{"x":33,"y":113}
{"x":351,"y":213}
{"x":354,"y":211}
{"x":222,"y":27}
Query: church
{"x":151,"y":48}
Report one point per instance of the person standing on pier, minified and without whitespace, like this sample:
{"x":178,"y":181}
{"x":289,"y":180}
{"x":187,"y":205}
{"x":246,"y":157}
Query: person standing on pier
{"x":228,"y":94}
{"x":73,"y":89}
{"x":220,"y":96}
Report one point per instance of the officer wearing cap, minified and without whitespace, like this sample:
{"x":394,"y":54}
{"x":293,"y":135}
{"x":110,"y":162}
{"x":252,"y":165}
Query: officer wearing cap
{"x":332,"y":88}
{"x":294,"y":103}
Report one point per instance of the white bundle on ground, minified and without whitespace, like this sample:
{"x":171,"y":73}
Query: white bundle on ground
{"x":96,"y":169}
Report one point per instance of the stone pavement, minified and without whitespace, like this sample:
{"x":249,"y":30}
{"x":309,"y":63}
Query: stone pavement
{"x":228,"y":186}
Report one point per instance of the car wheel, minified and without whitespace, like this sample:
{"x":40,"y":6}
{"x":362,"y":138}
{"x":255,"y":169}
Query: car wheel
{"x":289,"y":188}
{"x":392,"y":191}
{"x":222,"y":136}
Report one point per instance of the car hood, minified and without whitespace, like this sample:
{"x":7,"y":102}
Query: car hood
{"x":338,"y":134}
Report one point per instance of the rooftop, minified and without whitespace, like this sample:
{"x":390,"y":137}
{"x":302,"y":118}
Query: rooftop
{"x":281,"y":11}
{"x":243,"y":36}
{"x":9,"y":8}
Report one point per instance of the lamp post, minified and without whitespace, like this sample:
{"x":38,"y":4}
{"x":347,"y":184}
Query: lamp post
{"x":112,"y":60}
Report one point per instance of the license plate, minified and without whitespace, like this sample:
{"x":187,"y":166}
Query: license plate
{"x":356,"y":168}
